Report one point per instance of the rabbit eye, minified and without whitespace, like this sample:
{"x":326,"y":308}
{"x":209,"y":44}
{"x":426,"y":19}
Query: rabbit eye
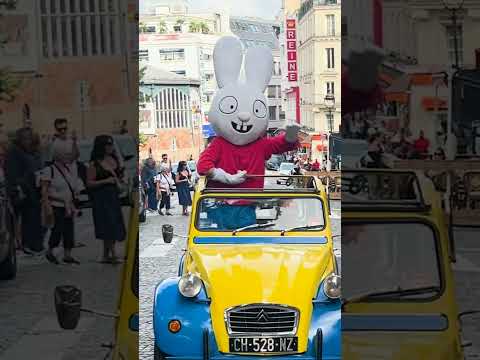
{"x":259,"y":109}
{"x":228,"y":105}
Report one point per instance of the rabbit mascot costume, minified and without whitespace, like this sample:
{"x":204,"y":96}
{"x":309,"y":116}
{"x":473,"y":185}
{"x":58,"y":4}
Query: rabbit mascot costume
{"x":239,"y":116}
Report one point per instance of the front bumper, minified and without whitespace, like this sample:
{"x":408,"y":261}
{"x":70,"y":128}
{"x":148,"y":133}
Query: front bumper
{"x":210,"y":351}
{"x":196,"y":340}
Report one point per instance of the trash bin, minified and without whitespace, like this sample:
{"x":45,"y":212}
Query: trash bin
{"x":167,"y":233}
{"x":68,"y":302}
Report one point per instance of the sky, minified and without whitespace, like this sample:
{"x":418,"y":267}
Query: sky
{"x":266,"y":9}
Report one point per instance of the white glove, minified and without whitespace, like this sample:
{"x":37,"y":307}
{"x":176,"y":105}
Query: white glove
{"x":291,"y":132}
{"x":222,"y":176}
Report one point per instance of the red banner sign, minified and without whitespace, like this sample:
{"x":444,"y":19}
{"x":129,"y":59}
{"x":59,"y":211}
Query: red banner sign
{"x":291,"y":45}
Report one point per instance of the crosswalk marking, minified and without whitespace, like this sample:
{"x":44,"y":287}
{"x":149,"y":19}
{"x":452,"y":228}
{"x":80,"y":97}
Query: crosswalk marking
{"x":48,"y":339}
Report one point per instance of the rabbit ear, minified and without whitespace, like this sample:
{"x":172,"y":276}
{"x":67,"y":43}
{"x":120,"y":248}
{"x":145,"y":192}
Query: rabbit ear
{"x":259,"y":66}
{"x":227,"y":60}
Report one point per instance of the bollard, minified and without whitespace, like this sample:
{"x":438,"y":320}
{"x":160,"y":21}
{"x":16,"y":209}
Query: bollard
{"x":167,"y":233}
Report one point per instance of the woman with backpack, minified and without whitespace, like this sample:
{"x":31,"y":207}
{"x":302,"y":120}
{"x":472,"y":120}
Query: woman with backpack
{"x":60,"y":189}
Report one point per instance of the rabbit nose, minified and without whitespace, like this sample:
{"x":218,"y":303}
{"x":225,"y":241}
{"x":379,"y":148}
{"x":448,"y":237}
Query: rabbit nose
{"x":244,"y":116}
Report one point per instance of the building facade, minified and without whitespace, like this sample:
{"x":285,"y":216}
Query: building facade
{"x":170,"y":115}
{"x":95,"y":94}
{"x":319,"y":65}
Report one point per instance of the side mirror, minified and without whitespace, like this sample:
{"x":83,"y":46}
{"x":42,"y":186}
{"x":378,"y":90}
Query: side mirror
{"x":167,"y":233}
{"x":68,"y":304}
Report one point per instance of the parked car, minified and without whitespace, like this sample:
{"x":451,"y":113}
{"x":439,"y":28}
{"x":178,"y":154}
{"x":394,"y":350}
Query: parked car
{"x":258,"y":279}
{"x":285,"y":169}
{"x":274,"y":162}
{"x":8,"y":257}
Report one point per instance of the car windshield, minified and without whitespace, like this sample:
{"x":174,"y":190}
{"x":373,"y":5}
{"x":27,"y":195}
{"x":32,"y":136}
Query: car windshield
{"x":405,"y":253}
{"x":287,"y":166}
{"x":228,"y":214}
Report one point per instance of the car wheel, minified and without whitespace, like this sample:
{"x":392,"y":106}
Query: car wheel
{"x":142,"y":217}
{"x":157,"y":355}
{"x":8,"y":268}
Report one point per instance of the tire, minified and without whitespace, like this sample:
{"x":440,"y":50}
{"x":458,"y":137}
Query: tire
{"x":8,"y":268}
{"x":142,"y":217}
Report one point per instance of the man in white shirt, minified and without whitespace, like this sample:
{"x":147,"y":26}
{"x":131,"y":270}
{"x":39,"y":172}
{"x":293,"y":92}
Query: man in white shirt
{"x":164,"y":183}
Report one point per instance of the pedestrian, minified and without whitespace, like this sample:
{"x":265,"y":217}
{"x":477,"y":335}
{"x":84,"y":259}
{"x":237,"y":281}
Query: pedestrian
{"x":182,"y":181}
{"x":22,"y":164}
{"x":164,"y":186}
{"x":148,"y":180}
{"x":61,"y":135}
{"x":166,"y":163}
{"x":60,"y":190}
{"x":104,"y":179}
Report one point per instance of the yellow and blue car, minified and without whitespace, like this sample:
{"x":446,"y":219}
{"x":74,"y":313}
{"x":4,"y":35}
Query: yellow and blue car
{"x":258,"y":278}
{"x":399,"y":297}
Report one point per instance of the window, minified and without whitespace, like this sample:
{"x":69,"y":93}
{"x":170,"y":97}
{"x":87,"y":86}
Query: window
{"x":173,"y":109}
{"x":330,"y":87}
{"x":80,"y":28}
{"x":451,"y":43}
{"x":344,"y":26}
{"x":330,"y":25}
{"x":177,"y":28}
{"x":172,"y":54}
{"x":329,"y":122}
{"x":330,"y":58}
{"x":272,"y":91}
{"x":282,"y":114}
{"x":272,"y":110}
{"x":143,"y":55}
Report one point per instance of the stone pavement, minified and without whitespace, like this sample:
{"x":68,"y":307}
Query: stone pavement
{"x":159,"y":261}
{"x":28,"y":324}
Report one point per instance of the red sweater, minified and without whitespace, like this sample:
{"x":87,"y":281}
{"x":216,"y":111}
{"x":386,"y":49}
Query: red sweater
{"x":251,"y":157}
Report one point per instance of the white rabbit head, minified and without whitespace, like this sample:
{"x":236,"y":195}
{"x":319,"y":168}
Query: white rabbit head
{"x":239,"y":111}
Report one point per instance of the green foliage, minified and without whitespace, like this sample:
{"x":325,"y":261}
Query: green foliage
{"x":8,"y":85}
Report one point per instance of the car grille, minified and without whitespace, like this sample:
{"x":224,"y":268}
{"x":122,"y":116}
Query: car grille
{"x":262,"y":319}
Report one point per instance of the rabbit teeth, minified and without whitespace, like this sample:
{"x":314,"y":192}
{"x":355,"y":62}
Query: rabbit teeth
{"x":241,"y":128}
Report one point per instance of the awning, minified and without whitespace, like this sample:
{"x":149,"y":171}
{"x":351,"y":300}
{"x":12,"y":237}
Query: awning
{"x":398,"y":90}
{"x":431,"y":103}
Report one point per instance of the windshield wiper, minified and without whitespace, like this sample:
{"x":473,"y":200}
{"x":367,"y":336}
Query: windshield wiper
{"x":305,"y":227}
{"x":253,"y":226}
{"x":395,"y":294}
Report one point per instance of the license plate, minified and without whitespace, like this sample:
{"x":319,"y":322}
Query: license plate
{"x":264,"y":344}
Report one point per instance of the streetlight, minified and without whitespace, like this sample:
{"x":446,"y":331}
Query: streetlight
{"x":454,"y":6}
{"x":330,"y":106}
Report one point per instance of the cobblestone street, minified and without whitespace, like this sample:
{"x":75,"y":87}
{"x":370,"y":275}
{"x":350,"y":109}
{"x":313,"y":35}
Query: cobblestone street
{"x":159,"y":261}
{"x":29,"y":327}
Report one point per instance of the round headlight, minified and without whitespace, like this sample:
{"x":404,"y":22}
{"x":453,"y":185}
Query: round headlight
{"x":332,"y":286}
{"x":190,"y":285}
